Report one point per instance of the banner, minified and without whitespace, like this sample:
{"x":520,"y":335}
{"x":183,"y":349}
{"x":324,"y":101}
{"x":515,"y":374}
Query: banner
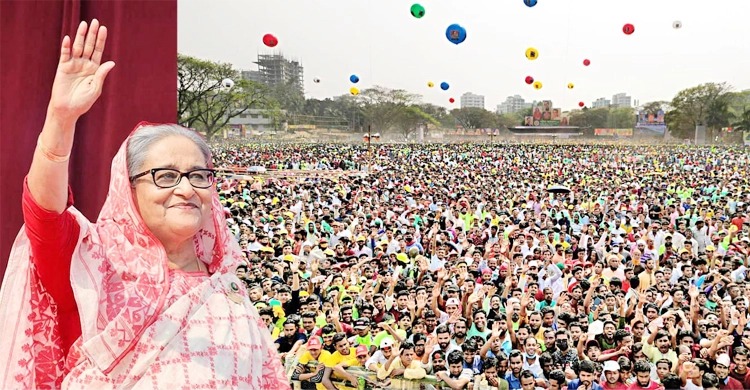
{"x":650,"y":124}
{"x":614,"y":132}
{"x":543,"y":114}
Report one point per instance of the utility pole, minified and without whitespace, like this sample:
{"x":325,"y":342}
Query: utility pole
{"x":369,"y":143}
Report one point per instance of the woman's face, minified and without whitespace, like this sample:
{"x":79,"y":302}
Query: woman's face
{"x":173,"y":214}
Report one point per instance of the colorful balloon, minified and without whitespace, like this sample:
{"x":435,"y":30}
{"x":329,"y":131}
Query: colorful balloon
{"x":529,"y":79}
{"x":354,"y":78}
{"x":430,"y":84}
{"x":452,"y":100}
{"x":586,"y":62}
{"x":417,"y":10}
{"x":628,"y":29}
{"x":581,"y":104}
{"x":529,"y":3}
{"x":537,"y":85}
{"x":570,"y":85}
{"x":455,"y":33}
{"x":532,"y":53}
{"x":270,"y":40}
{"x":444,"y":86}
{"x":354,"y":91}
{"x":677,"y":24}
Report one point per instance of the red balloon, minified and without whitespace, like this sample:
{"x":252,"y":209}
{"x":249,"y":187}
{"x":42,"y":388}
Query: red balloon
{"x":452,"y":100}
{"x":529,"y":80}
{"x":581,"y":104}
{"x":586,"y":62}
{"x":270,"y":40}
{"x":628,"y":29}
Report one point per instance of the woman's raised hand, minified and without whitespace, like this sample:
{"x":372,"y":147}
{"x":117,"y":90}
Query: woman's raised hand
{"x":80,"y":73}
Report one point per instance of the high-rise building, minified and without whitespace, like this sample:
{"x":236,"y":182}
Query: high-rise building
{"x":601,"y":102}
{"x":471,"y":100}
{"x":512,"y":104}
{"x":622,"y":100}
{"x":275,"y":69}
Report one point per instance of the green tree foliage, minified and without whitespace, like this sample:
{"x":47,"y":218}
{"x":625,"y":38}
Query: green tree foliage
{"x":411,"y":117}
{"x":382,"y":107}
{"x":474,"y":118}
{"x":204,"y":103}
{"x":706,"y":104}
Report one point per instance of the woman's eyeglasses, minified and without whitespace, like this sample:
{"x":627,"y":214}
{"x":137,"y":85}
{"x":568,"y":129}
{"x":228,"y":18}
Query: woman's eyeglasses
{"x":168,"y":177}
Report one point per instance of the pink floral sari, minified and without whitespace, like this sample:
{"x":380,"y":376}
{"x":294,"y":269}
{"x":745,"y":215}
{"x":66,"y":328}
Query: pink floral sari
{"x":143,"y":325}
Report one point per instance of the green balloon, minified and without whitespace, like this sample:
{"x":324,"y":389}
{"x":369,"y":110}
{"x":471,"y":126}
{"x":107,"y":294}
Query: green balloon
{"x":417,"y":10}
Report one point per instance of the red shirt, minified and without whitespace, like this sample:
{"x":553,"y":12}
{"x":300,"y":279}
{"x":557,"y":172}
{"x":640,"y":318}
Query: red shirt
{"x":53,"y":237}
{"x":730,"y":384}
{"x":651,"y":386}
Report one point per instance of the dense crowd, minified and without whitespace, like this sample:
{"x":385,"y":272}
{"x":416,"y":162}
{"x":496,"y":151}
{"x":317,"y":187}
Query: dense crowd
{"x":498,"y":266}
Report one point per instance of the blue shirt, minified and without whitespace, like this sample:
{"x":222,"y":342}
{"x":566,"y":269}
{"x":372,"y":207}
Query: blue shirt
{"x":574,"y":384}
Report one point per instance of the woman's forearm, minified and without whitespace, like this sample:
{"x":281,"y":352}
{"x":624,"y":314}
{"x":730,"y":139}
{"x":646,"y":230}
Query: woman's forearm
{"x":48,"y":175}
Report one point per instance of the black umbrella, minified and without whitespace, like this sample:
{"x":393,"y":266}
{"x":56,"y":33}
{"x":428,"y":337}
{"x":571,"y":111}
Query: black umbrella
{"x":558,"y":189}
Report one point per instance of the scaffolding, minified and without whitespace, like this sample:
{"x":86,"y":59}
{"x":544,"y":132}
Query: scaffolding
{"x":275,"y":69}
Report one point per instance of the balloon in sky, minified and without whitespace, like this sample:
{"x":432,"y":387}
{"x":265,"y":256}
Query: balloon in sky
{"x":227,"y":83}
{"x":529,"y":79}
{"x":529,"y":3}
{"x":430,"y":84}
{"x":537,"y":85}
{"x":677,"y":24}
{"x":628,"y":29}
{"x":570,"y":85}
{"x":354,"y":90}
{"x":417,"y":10}
{"x":452,"y":100}
{"x":270,"y":40}
{"x":532,"y":53}
{"x":354,"y":78}
{"x":444,"y":86}
{"x":581,"y":104}
{"x":455,"y":33}
{"x":316,"y":80}
{"x":586,"y":62}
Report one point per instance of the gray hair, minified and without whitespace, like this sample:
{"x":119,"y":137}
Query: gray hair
{"x":141,"y":141}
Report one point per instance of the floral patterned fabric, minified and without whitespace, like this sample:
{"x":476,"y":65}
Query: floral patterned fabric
{"x":143,"y":325}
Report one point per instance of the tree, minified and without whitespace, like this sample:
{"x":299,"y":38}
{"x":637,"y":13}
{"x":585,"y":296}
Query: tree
{"x":705,"y":104}
{"x":653,"y":108}
{"x":289,"y":97}
{"x":621,"y":118}
{"x":593,"y":118}
{"x":204,"y":103}
{"x":411,"y":117}
{"x":474,"y":117}
{"x":382,"y":107}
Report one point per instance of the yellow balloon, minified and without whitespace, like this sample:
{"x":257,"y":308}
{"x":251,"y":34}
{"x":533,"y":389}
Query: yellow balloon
{"x":537,"y":85}
{"x":430,"y":84}
{"x":570,"y":85}
{"x":354,"y":90}
{"x":532,"y":53}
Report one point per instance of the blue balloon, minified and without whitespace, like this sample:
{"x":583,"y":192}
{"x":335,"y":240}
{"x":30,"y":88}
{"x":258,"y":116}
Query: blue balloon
{"x":444,"y":86}
{"x":529,"y":3}
{"x":354,"y":78}
{"x":455,"y":33}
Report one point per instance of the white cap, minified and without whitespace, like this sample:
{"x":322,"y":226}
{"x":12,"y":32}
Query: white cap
{"x":386,"y":343}
{"x":724,"y":360}
{"x":611,"y":365}
{"x":452,"y":301}
{"x":533,"y":263}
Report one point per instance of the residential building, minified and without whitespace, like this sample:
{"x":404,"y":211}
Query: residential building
{"x":275,"y":69}
{"x":254,"y":121}
{"x":512,"y":104}
{"x":471,"y":100}
{"x":601,"y":102}
{"x":622,"y":100}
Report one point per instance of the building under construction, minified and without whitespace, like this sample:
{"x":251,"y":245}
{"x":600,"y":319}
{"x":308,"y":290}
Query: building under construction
{"x":275,"y":69}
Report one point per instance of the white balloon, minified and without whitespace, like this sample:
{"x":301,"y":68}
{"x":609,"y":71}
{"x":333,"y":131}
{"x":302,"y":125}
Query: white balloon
{"x":676,"y":24}
{"x":227,"y":83}
{"x":316,"y":80}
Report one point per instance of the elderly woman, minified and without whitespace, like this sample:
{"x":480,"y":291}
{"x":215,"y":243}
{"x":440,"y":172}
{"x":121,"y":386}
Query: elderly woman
{"x":145,"y":297}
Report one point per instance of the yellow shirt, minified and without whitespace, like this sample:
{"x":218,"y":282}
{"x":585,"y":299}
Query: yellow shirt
{"x":306,"y":357}
{"x":414,"y":371}
{"x":337,"y":358}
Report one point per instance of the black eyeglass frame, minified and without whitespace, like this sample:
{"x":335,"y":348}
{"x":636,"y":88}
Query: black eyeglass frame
{"x":153,"y":172}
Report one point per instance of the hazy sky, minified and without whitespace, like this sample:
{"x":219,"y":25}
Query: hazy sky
{"x":384,"y":45}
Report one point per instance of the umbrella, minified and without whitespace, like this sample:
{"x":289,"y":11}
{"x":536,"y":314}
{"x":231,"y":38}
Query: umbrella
{"x":558,"y":189}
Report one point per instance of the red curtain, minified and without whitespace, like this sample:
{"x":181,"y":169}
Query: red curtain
{"x":142,"y":41}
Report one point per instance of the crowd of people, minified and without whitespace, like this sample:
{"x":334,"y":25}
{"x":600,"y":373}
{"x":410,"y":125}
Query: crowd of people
{"x":516,"y":266}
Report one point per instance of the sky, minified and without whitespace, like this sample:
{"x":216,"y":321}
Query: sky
{"x":384,"y":45}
